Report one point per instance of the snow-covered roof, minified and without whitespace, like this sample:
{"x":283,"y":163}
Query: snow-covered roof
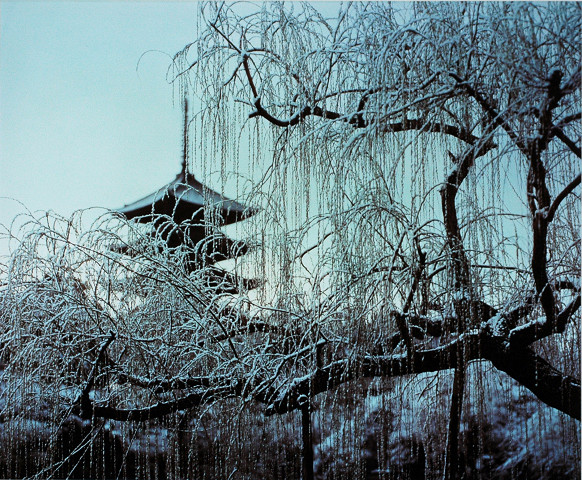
{"x":186,"y":198}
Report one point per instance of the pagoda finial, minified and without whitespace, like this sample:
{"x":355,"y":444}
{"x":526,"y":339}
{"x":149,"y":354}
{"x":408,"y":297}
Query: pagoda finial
{"x":185,"y":141}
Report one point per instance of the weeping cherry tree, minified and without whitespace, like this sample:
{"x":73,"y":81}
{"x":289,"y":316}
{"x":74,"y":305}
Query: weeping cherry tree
{"x":416,"y":172}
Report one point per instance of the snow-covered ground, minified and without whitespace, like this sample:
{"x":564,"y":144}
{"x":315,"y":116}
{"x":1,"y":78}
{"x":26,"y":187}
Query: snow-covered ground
{"x":397,"y":429}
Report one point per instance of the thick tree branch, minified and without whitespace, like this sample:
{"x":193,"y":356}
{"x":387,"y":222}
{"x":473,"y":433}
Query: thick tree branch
{"x":552,"y":387}
{"x":495,"y":117}
{"x":84,"y":402}
{"x":460,"y":262}
{"x":342,"y":371}
{"x":545,"y":209}
{"x":438,"y":127}
{"x":526,"y":334}
{"x":548,"y":384}
{"x":575,"y":149}
{"x":160,"y":409}
{"x":253,"y":327}
{"x":465,"y":303}
{"x":158,"y":385}
{"x":561,"y":196}
{"x":355,"y":121}
{"x":539,"y":264}
{"x":558,"y":131}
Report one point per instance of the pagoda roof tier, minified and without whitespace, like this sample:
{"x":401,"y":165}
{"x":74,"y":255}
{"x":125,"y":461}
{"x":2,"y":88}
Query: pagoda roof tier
{"x":204,"y":248}
{"x":186,"y":198}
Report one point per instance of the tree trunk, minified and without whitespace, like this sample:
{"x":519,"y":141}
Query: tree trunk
{"x":307,"y":438}
{"x":452,"y":453}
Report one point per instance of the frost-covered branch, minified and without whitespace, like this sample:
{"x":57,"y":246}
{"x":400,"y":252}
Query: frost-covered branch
{"x":551,"y":386}
{"x":160,"y":409}
{"x":538,"y":329}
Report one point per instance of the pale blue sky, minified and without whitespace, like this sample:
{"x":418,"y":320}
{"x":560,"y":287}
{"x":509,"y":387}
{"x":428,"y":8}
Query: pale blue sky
{"x":79,"y":125}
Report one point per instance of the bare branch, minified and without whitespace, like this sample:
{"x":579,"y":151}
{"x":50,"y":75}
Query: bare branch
{"x":83,"y":400}
{"x":561,"y":196}
{"x":538,"y":375}
{"x":161,"y":409}
{"x":558,"y":132}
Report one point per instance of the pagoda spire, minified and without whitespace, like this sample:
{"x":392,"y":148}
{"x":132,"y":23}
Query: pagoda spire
{"x":185,"y":142}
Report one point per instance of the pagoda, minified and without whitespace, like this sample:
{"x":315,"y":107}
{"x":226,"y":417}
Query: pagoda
{"x":187,"y":213}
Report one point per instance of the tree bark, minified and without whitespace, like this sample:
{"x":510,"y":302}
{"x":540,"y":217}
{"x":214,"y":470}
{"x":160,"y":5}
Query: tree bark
{"x":533,"y":372}
{"x":307,"y":439}
{"x":451,"y":471}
